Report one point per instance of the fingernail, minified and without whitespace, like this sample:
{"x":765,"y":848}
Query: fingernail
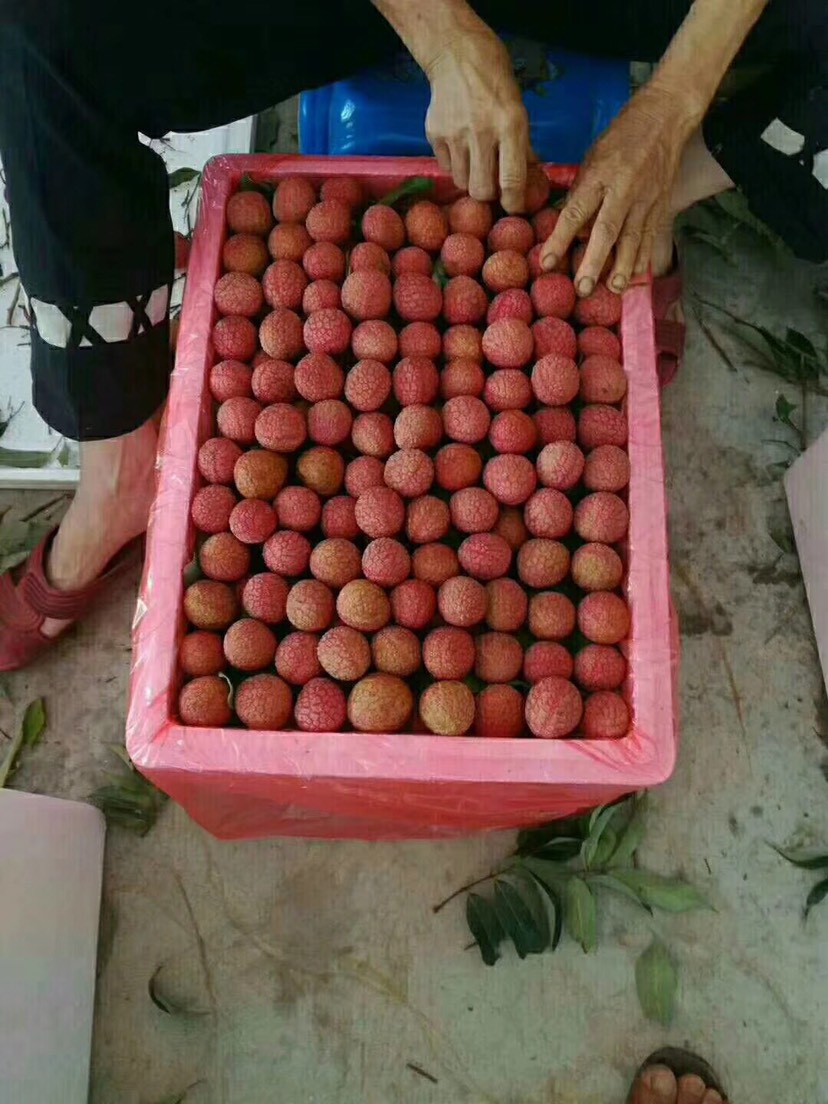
{"x":619,"y":283}
{"x":586,"y":286}
{"x":549,"y":261}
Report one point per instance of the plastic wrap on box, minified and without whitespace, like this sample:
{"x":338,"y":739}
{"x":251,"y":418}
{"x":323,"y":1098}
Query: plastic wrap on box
{"x":243,"y":784}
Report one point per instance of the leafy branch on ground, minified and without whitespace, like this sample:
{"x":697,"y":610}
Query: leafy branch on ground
{"x":725,"y":215}
{"x":553,"y":882}
{"x":809,"y":860}
{"x":29,"y":733}
{"x":129,"y":800}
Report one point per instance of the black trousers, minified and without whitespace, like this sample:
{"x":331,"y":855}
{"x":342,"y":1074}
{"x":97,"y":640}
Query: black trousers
{"x":89,"y":202}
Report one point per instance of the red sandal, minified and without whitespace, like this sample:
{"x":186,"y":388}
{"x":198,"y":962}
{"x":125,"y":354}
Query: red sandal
{"x":28,"y":601}
{"x":669,"y":333}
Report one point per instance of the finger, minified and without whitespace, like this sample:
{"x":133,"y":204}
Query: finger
{"x":513,"y":166}
{"x":656,"y":241}
{"x":483,"y":167}
{"x":628,"y":248}
{"x":441,"y":152}
{"x":605,"y":233}
{"x":459,"y":151}
{"x":581,"y":204}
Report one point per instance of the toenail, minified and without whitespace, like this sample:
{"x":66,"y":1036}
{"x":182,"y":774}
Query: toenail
{"x":712,"y":1097}
{"x":691,"y":1089}
{"x":663,"y":1084}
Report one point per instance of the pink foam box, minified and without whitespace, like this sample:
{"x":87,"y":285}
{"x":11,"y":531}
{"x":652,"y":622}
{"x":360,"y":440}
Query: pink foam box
{"x":243,"y":784}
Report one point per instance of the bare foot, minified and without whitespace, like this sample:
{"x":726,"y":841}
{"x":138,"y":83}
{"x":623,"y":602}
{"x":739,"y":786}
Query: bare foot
{"x":657,"y":1085}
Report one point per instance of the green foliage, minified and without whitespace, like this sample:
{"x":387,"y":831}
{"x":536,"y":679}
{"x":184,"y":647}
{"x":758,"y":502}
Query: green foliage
{"x":129,"y":800}
{"x":656,"y":981}
{"x":31,"y":729}
{"x":414,"y":187}
{"x":808,"y":860}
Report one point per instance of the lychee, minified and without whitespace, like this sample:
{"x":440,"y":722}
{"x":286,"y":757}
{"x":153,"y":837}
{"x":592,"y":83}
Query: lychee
{"x":470,"y":216}
{"x":553,"y":294}
{"x":380,"y":512}
{"x":366,"y":295}
{"x":367,"y":385}
{"x":382,"y":224}
{"x":298,"y":508}
{"x":514,"y":303}
{"x":419,"y":426}
{"x":234,"y":338}
{"x":205,"y":702}
{"x":339,"y":517}
{"x":329,"y":422}
{"x":544,"y":223}
{"x":280,"y":334}
{"x":427,"y":519}
{"x":284,"y":284}
{"x":457,"y":466}
{"x":603,"y":617}
{"x":217,"y":458}
{"x":344,"y":653}
{"x":447,"y":708}
{"x":249,"y":213}
{"x":498,"y":713}
{"x":507,"y":389}
{"x":281,"y":427}
{"x":426,"y":225}
{"x":321,"y":706}
{"x":602,"y":308}
{"x":373,"y":435}
{"x":211,"y":508}
{"x":413,"y":604}
{"x":363,"y":605}
{"x":249,"y":645}
{"x":599,"y":341}
{"x":379,"y":702}
{"x":542,"y":562}
{"x":485,"y":556}
{"x":412,"y":259}
{"x":329,"y":221}
{"x":462,"y":601}
{"x":236,"y":419}
{"x":606,"y":716}
{"x":225,"y":558}
{"x":554,"y":335}
{"x":386,"y":562}
{"x":287,"y":553}
{"x":434,"y":563}
{"x":417,"y":298}
{"x":245,"y":253}
{"x":602,"y":380}
{"x":510,"y":478}
{"x":507,"y":605}
{"x":263,"y":702}
{"x":415,"y":381}
{"x":553,"y":708}
{"x":410,"y":472}
{"x":296,"y":659}
{"x":252,"y":521}
{"x":319,"y":377}
{"x":209,"y":604}
{"x":462,"y":377}
{"x":597,"y":567}
{"x":545,"y":659}
{"x":347,"y":189}
{"x":473,"y":510}
{"x":498,"y":657}
{"x":335,"y":562}
{"x":548,"y":513}
{"x":551,"y":615}
{"x":327,"y":331}
{"x":310,"y":605}
{"x":555,"y":379}
{"x":396,"y":651}
{"x":511,"y":527}
{"x":272,"y":381}
{"x":369,"y":255}
{"x":201,"y":653}
{"x":602,"y":517}
{"x":288,"y":241}
{"x":513,"y":431}
{"x":505,"y":269}
{"x":512,"y":233}
{"x":264,"y":596}
{"x":466,"y":419}
{"x":555,"y":423}
{"x":239,"y":293}
{"x":293,"y":199}
{"x":600,"y":667}
{"x":321,"y":295}
{"x":464,"y":301}
{"x":508,"y":343}
{"x":462,"y":342}
{"x":462,"y":255}
{"x":449,"y":653}
{"x":537,"y":189}
{"x":324,"y":261}
{"x":560,"y":465}
{"x":420,"y":339}
{"x":362,"y":473}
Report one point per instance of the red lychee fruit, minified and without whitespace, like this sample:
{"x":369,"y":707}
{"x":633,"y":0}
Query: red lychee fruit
{"x":457,"y":466}
{"x":602,"y":308}
{"x":264,"y":596}
{"x":284,"y":284}
{"x":293,"y":199}
{"x":461,"y":377}
{"x":382,"y":224}
{"x":507,"y":389}
{"x":498,"y":713}
{"x":462,"y":255}
{"x":599,"y":341}
{"x":553,"y":708}
{"x":369,"y":255}
{"x":602,"y":517}
{"x":600,"y":667}
{"x":413,"y":604}
{"x":263,"y":702}
{"x":499,"y":657}
{"x":447,"y":708}
{"x":553,"y":294}
{"x":473,"y":510}
{"x":210,"y":604}
{"x":537,"y":189}
{"x":542,"y":563}
{"x":272,"y":381}
{"x":545,"y":659}
{"x":327,"y":331}
{"x":544,"y":223}
{"x":298,"y":508}
{"x":205,"y":702}
{"x":362,"y":473}
{"x":434,"y":563}
{"x":506,"y":269}
{"x":367,"y":385}
{"x":339,"y":517}
{"x":462,"y":601}
{"x":548,"y":513}
{"x":321,"y":295}
{"x":249,"y":213}
{"x":217,"y":458}
{"x":417,"y":298}
{"x":554,"y":335}
{"x":321,"y":706}
{"x":238,"y":293}
{"x":508,"y":343}
{"x":324,"y":261}
{"x":426,"y":225}
{"x":507,"y":605}
{"x":513,"y":431}
{"x":234,"y":338}
{"x":555,"y":380}
{"x":296,"y":659}
{"x":555,"y":423}
{"x":288,"y":241}
{"x":363,"y":605}
{"x":287,"y":553}
{"x":252,"y":521}
{"x":230,"y":379}
{"x":366,"y":295}
{"x":211,"y":508}
{"x":373,"y":435}
{"x":347,"y":189}
{"x":560,"y":465}
{"x":280,"y":334}
{"x":603,"y":617}
{"x":602,"y":380}
{"x":310,"y":605}
{"x":236,"y":419}
{"x":418,"y":427}
{"x":335,"y":562}
{"x":415,"y":381}
{"x":511,"y":527}
{"x":449,"y":653}
{"x":329,"y":221}
{"x":533,"y":259}
{"x":513,"y":233}
{"x":462,"y":343}
{"x":386,"y":562}
{"x":322,"y":469}
{"x":427,"y":519}
{"x":420,"y":339}
{"x":514,"y":303}
{"x":485,"y":556}
{"x":201,"y":653}
{"x":470,"y":216}
{"x":511,"y":479}
{"x":245,"y":253}
{"x":466,"y":419}
{"x":551,"y":615}
{"x":380,"y":512}
{"x":318,"y":377}
{"x":379,"y":702}
{"x":249,"y":645}
{"x":281,"y":427}
{"x":344,"y":653}
{"x":597,"y":567}
{"x":412,"y":259}
{"x":329,"y":422}
{"x":409,"y":472}
{"x":396,"y":651}
{"x":606,"y":716}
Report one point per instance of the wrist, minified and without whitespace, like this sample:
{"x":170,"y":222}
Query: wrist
{"x":432,"y":33}
{"x":680,"y":100}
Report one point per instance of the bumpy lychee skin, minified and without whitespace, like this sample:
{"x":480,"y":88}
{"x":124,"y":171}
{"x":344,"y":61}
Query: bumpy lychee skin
{"x":553,"y":294}
{"x":386,"y":562}
{"x":281,"y":427}
{"x":347,"y":189}
{"x":379,"y":703}
{"x":205,"y":702}
{"x":607,"y":468}
{"x":448,"y":653}
{"x":543,"y":563}
{"x":600,"y":667}
{"x":212,"y":507}
{"x":409,"y":472}
{"x":324,"y":261}
{"x":373,"y":435}
{"x":321,"y":295}
{"x":498,"y":657}
{"x":473,"y":510}
{"x":416,"y":380}
{"x":511,"y":232}
{"x":252,"y":521}
{"x":597,"y":567}
{"x":462,"y":255}
{"x":396,"y":651}
{"x":238,"y":293}
{"x":457,"y":466}
{"x":447,"y":708}
{"x":507,"y":389}
{"x":513,"y":432}
{"x":485,"y":556}
{"x":280,"y":334}
{"x":427,"y":519}
{"x":263,"y":702}
{"x":321,"y":706}
{"x":382,"y":224}
{"x":606,"y":716}
{"x":234,"y":337}
{"x":327,"y":331}
{"x":533,"y":259}
{"x":560,"y":465}
{"x":498,"y":713}
{"x":553,"y":335}
{"x":505,"y":269}
{"x":380,"y":512}
{"x":260,"y":473}
{"x":249,"y":213}
{"x":510,"y":478}
{"x":272,"y":381}
{"x":466,"y":419}
{"x":462,"y":342}
{"x":296,"y":659}
{"x":339,"y":518}
{"x":201,"y":653}
{"x":245,"y":253}
{"x":545,"y":659}
{"x":553,"y":708}
{"x":462,"y":377}
{"x":420,"y":339}
{"x":537,"y":189}
{"x":599,"y":341}
{"x":217,"y":458}
{"x":602,"y":308}
{"x":288,"y":241}
{"x":293,"y":199}
{"x":555,"y":423}
{"x":330,"y":423}
{"x":223,"y":557}
{"x":426,"y":225}
{"x":508,"y":343}
{"x":363,"y":605}
{"x":362,"y":473}
{"x":369,"y":255}
{"x":413,"y":604}
{"x":287,"y":553}
{"x":555,"y":380}
{"x":511,"y":526}
{"x":249,"y":645}
{"x":602,"y":380}
{"x":548,"y":513}
{"x":514,"y":303}
{"x":335,"y":562}
{"x":367,"y":385}
{"x":470,"y":216}
{"x":236,"y":419}
{"x":462,"y":601}
{"x":544,"y":223}
{"x":418,"y":427}
{"x":604,"y":618}
{"x":551,"y":616}
{"x":264,"y":596}
{"x":330,"y":221}
{"x":209,"y":604}
{"x":284,"y":284}
{"x":507,"y":605}
{"x":464,"y":302}
{"x":434,"y":563}
{"x":344,"y":653}
{"x":412,"y":259}
{"x":602,"y":517}
{"x":366,"y":295}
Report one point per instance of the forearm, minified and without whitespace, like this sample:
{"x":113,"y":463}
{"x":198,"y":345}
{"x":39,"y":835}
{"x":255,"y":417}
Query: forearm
{"x":427,"y":30}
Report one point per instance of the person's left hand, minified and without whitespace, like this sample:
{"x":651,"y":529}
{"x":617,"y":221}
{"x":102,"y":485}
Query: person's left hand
{"x":624,"y":184}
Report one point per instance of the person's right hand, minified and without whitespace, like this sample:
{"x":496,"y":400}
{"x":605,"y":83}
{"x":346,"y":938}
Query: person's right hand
{"x":476,"y":123}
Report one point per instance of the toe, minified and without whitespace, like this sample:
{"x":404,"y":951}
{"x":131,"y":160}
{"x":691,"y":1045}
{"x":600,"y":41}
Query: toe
{"x":691,"y":1089}
{"x":711,"y":1097}
{"x":656,"y":1085}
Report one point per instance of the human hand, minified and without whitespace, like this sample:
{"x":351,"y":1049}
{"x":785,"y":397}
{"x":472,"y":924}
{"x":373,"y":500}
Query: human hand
{"x":625,"y":185}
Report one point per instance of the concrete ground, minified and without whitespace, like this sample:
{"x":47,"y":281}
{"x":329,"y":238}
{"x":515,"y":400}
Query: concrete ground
{"x":317,"y":973}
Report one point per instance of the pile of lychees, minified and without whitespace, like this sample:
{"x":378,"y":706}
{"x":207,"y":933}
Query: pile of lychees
{"x":409,"y":512}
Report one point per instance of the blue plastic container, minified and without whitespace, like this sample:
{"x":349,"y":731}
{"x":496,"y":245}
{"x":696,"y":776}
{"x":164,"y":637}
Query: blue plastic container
{"x":382,"y":111}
